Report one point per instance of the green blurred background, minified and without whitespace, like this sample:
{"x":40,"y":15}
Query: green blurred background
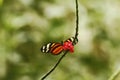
{"x":26,"y":25}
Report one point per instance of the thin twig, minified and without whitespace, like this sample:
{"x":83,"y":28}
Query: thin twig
{"x":77,"y":19}
{"x":54,"y":66}
{"x":76,"y":35}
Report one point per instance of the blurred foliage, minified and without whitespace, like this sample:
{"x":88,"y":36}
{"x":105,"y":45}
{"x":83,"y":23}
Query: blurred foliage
{"x":1,"y":1}
{"x":26,"y":25}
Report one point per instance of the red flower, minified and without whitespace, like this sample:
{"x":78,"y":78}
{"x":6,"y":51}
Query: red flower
{"x":68,"y":46}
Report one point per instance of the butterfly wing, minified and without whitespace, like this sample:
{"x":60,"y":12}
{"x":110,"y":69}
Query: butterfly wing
{"x":46,"y":48}
{"x":71,"y":40}
{"x":54,"y":48}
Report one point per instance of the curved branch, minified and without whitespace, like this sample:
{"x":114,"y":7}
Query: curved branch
{"x":76,"y":35}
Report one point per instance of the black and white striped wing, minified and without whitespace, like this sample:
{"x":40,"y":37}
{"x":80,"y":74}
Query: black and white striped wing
{"x":72,"y":39}
{"x":46,"y":48}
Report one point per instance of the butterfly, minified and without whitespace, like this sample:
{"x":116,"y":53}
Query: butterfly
{"x":57,"y":48}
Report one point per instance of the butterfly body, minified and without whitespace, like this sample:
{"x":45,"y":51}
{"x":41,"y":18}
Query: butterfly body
{"x":57,"y":48}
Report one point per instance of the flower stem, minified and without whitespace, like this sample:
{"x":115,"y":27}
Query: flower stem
{"x":114,"y":75}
